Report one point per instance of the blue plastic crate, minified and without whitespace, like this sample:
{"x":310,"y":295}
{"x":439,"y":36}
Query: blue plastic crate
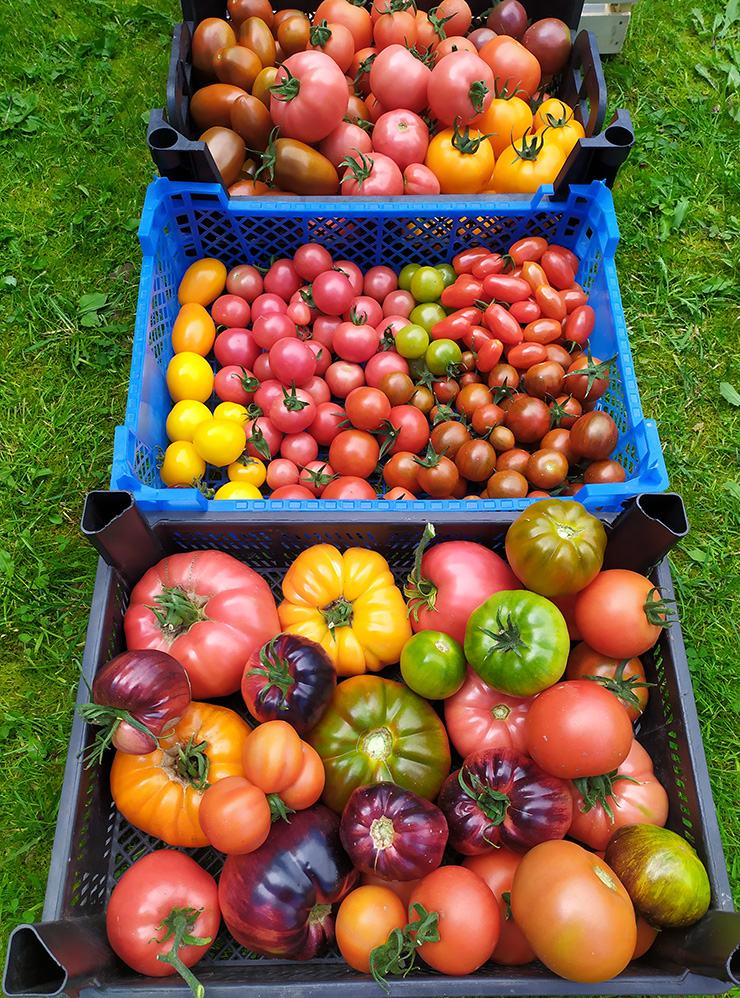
{"x":183,"y":222}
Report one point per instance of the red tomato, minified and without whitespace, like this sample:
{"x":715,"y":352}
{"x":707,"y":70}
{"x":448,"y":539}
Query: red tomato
{"x":326,"y":420}
{"x":411,"y":429}
{"x":620,"y":613}
{"x":148,"y":893}
{"x":354,"y":452}
{"x":573,"y":911}
{"x":512,"y":64}
{"x":497,"y":869}
{"x":349,"y":487}
{"x":372,"y":174}
{"x":311,"y":108}
{"x":460,"y":87}
{"x":211,"y":611}
{"x":625,"y":678}
{"x":577,"y":728}
{"x":462,"y":899}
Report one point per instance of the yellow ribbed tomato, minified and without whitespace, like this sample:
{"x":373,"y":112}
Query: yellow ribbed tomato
{"x":160,"y":793}
{"x":349,"y":604}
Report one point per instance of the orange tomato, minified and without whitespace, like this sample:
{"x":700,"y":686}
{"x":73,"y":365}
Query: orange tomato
{"x":308,"y":785}
{"x":202,"y":282}
{"x":272,"y":756}
{"x":235,"y":815}
{"x":365,"y":919}
{"x":161,"y":792}
{"x":194,"y":329}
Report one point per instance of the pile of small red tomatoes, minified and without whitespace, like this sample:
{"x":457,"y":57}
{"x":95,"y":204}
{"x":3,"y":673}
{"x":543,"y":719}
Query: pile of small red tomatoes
{"x":383,"y":99}
{"x":393,"y":814}
{"x":465,"y":380}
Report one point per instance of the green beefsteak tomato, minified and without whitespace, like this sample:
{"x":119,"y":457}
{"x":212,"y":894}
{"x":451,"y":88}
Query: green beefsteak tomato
{"x":517,"y":642}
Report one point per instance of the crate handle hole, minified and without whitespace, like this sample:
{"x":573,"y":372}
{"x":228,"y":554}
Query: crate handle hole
{"x":618,"y":135}
{"x":163,"y":138}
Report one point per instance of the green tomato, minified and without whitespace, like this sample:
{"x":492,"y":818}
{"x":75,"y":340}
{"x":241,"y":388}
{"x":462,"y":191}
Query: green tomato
{"x":433,"y":665}
{"x":412,"y":341}
{"x":376,"y":729}
{"x":663,"y":875}
{"x":517,"y":642}
{"x":405,"y":274}
{"x":427,"y":284}
{"x":427,"y":313}
{"x":448,"y":273}
{"x":440,"y":354}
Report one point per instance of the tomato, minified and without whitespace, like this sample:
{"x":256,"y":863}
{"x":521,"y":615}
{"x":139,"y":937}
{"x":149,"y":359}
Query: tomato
{"x":555,"y":547}
{"x":432,"y":665}
{"x":356,"y":18}
{"x":517,"y":642}
{"x":462,"y":899}
{"x":402,"y":135}
{"x":209,"y":36}
{"x":365,"y":919}
{"x":189,"y":376}
{"x":620,"y":613}
{"x":461,"y":86}
{"x":332,"y":292}
{"x":194,"y":330}
{"x":367,"y":408}
{"x":207,"y":610}
{"x":354,"y":452}
{"x":377,"y":729}
{"x":408,"y":429}
{"x":202,"y":282}
{"x":631,"y":793}
{"x":525,"y":165}
{"x":302,"y":169}
{"x":183,"y":417}
{"x":594,"y":435}
{"x":371,"y":174}
{"x":662,"y":873}
{"x":237,"y":346}
{"x":293,"y":33}
{"x":476,"y":460}
{"x":448,"y":582}
{"x":348,"y":603}
{"x":573,"y":911}
{"x":159,"y":893}
{"x":528,"y":418}
{"x":349,"y":487}
{"x":587,"y":378}
{"x":461,"y":161}
{"x":477,"y":716}
{"x":219,"y":441}
{"x":235,"y":815}
{"x":160,"y":792}
{"x":577,"y":728}
{"x":395,"y":62}
{"x":512,"y":64}
{"x":325,"y":425}
{"x":579,"y":323}
{"x":625,"y":678}
{"x":497,"y":868}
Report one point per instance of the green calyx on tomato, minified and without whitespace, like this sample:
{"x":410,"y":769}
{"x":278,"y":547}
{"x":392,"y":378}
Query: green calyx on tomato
{"x":398,"y":955}
{"x":597,"y":791}
{"x":361,"y":170}
{"x":529,"y":150}
{"x":465,"y":143}
{"x":623,"y":687}
{"x":338,"y":613}
{"x":594,"y":372}
{"x":291,"y":401}
{"x":192,"y":764}
{"x":493,"y":803}
{"x":556,"y":547}
{"x":656,"y":610}
{"x":274,"y":668}
{"x":477,"y":94}
{"x":517,"y":642}
{"x":178,"y":926}
{"x":288,"y":89}
{"x":176,"y":611}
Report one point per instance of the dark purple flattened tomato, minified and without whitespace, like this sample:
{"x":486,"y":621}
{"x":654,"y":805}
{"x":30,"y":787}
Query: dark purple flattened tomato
{"x":500,"y":797}
{"x":289,"y":678}
{"x":281,"y":899}
{"x":393,"y":832}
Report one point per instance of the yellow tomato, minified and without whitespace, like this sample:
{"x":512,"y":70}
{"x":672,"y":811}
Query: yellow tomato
{"x":238,"y":490}
{"x":232,"y":410}
{"x":504,"y":121}
{"x":189,"y":376}
{"x":219,"y":441}
{"x":248,"y":469}
{"x":462,"y":162}
{"x":182,"y":464}
{"x":193,"y":330}
{"x":349,"y":603}
{"x":524,"y":166}
{"x":202,"y":282}
{"x":183,"y":417}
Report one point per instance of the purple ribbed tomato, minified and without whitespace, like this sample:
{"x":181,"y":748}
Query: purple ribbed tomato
{"x":281,"y":899}
{"x":500,"y":797}
{"x":393,"y":832}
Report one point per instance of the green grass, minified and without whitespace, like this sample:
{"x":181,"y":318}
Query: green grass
{"x":72,"y":137}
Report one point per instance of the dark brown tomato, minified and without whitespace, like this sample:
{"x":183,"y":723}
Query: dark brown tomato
{"x":558,"y":353}
{"x":471,"y":397}
{"x":508,"y":18}
{"x":251,"y":119}
{"x":528,"y":419}
{"x":486,"y":417}
{"x":240,"y":10}
{"x":604,"y":472}
{"x":565,"y":410}
{"x":580,"y":373}
{"x":212,"y":34}
{"x":507,"y":485}
{"x":445,"y":391}
{"x":448,"y":437}
{"x":546,"y":468}
{"x":476,"y":460}
{"x":544,"y":380}
{"x":397,"y":386}
{"x":438,"y":479}
{"x":293,"y":33}
{"x":282,"y":15}
{"x":301,"y":169}
{"x":238,"y":66}
{"x":514,"y":459}
{"x":256,"y":34}
{"x":401,"y":471}
{"x":501,"y":439}
{"x":594,"y":435}
{"x":471,"y":378}
{"x":503,"y":374}
{"x":422,"y":399}
{"x":559,"y":439}
{"x":228,"y":151}
{"x":211,"y":106}
{"x":467,"y":361}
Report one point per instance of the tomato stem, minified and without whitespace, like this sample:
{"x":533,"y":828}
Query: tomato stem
{"x":657,"y":610}
{"x":622,"y":688}
{"x":177,"y":925}
{"x":338,"y":613}
{"x":108,"y":718}
{"x":275,"y":669}
{"x":193,"y":764}
{"x":508,"y":638}
{"x":597,"y":791}
{"x":493,"y":803}
{"x":176,"y":611}
{"x":287,"y":90}
{"x":398,"y":954}
{"x":278,"y":808}
{"x":418,"y":590}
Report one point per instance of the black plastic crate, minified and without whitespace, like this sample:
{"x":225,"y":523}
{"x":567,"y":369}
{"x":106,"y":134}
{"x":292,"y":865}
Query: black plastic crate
{"x":178,"y":155}
{"x":93,"y":845}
